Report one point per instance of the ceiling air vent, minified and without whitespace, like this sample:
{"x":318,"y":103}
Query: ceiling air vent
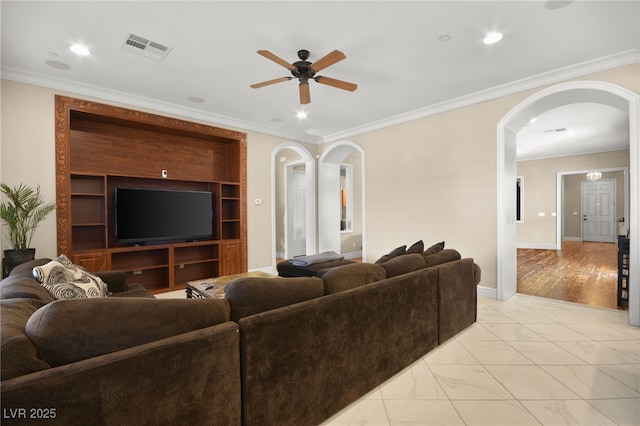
{"x":559,"y":130}
{"x":144,"y":47}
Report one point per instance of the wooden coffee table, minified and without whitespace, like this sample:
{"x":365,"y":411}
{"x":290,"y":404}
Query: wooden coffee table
{"x":213,"y":288}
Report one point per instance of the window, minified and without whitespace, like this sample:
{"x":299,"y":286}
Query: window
{"x":346,"y":198}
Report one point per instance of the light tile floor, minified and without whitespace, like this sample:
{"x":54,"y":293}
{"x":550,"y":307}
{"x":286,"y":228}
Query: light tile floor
{"x":527,"y":361}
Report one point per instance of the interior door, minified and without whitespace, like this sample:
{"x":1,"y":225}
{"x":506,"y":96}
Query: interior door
{"x":598,"y":210}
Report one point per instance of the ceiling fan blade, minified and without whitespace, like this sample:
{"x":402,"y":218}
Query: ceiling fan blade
{"x":344,"y":85}
{"x":328,"y":59}
{"x":268,"y":82}
{"x":305,"y":96}
{"x":277,"y":59}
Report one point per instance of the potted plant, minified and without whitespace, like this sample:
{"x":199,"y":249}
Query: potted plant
{"x":22,"y":212}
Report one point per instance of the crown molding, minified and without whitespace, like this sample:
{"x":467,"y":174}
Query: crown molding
{"x":574,"y":71}
{"x":551,"y":77}
{"x":149,"y":104}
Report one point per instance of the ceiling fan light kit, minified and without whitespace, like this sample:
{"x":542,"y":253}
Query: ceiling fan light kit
{"x":304,"y":71}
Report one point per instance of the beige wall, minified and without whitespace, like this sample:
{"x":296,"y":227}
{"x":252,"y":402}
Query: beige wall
{"x":435,"y":178}
{"x":27,"y":155}
{"x":539,"y":195}
{"x":432,"y":179}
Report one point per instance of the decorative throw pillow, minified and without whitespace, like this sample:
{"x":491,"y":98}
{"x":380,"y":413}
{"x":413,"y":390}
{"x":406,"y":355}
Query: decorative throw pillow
{"x":398,"y":251}
{"x":417,"y":247}
{"x":64,"y":280}
{"x":434,"y":248}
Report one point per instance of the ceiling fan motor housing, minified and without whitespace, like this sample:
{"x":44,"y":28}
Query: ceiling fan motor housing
{"x":303,"y":70}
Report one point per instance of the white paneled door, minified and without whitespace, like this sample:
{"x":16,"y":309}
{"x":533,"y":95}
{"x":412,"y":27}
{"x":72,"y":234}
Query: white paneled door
{"x":598,"y":210}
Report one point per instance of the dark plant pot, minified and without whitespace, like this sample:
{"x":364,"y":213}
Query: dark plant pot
{"x":13,"y":258}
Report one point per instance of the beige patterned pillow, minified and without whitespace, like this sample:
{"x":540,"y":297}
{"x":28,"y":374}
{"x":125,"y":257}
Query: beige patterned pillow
{"x":64,"y":280}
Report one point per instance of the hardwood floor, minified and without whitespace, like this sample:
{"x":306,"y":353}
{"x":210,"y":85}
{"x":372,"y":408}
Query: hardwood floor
{"x":582,"y":272}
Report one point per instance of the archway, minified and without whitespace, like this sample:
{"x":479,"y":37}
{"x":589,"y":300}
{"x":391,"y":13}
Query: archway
{"x":328,"y":201}
{"x":508,"y":127}
{"x":278,"y":205}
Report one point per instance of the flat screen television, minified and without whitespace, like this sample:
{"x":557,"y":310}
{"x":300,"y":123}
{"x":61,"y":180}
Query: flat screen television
{"x":154,"y":215}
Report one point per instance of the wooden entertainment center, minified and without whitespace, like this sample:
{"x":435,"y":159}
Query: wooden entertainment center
{"x":101,"y":147}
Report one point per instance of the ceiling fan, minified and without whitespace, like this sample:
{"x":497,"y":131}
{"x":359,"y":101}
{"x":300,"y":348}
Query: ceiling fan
{"x":305,"y":71}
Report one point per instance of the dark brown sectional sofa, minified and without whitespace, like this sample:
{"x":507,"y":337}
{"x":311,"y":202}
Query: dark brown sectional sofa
{"x":275,"y":351}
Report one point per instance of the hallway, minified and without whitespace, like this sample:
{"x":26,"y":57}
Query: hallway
{"x":583,"y":272}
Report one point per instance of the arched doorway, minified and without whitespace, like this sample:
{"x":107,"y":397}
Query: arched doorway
{"x":508,"y":127}
{"x":302,"y":168}
{"x":331,"y":236}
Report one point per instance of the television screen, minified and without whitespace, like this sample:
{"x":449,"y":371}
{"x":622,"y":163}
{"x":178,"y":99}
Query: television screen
{"x":147,"y":215}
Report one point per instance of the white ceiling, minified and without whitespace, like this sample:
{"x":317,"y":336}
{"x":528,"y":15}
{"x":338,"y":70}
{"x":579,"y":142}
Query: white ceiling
{"x":394,"y":53}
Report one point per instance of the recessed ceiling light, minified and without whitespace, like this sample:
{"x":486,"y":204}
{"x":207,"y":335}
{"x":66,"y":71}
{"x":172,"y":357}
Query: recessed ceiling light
{"x":195,"y":99}
{"x":533,"y":119}
{"x":301,"y":114}
{"x":79,"y":49}
{"x":444,"y":38}
{"x":491,"y":38}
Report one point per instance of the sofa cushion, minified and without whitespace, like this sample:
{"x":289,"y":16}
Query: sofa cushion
{"x":403,"y":264}
{"x":23,"y":287}
{"x":18,"y":356}
{"x":26,"y":268}
{"x":351,"y":276}
{"x":398,"y":251}
{"x":70,"y":330}
{"x":417,"y":247}
{"x":252,"y":295}
{"x":434,"y":248}
{"x":64,"y":280}
{"x":446,"y":255}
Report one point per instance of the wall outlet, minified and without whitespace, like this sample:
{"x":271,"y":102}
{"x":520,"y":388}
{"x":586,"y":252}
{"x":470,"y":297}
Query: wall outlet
{"x":165,"y":174}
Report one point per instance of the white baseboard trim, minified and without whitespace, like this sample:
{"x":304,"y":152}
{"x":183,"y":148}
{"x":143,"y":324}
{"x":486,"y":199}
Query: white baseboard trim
{"x":572,"y":239}
{"x":538,"y":246}
{"x":488,"y":292}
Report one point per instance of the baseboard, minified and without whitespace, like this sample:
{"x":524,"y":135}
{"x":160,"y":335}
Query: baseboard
{"x":538,"y":246}
{"x":572,"y":239}
{"x":353,"y":255}
{"x":488,"y":292}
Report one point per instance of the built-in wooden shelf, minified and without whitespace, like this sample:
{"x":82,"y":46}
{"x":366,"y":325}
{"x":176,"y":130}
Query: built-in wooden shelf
{"x":101,"y":147}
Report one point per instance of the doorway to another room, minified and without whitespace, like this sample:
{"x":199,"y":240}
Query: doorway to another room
{"x":507,"y":136}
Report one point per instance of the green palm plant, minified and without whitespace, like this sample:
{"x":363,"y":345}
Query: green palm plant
{"x":22,"y":212}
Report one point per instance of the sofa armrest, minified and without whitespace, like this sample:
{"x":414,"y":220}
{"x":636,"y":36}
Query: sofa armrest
{"x":115,"y":280}
{"x":457,"y":297}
